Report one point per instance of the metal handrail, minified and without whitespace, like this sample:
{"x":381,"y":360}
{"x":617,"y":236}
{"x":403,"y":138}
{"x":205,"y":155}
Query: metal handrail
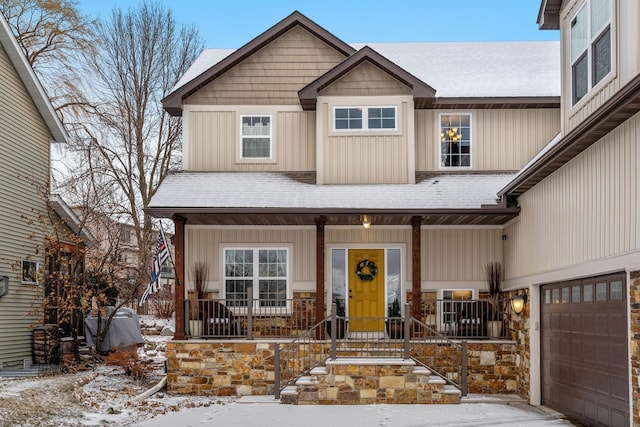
{"x":440,"y":354}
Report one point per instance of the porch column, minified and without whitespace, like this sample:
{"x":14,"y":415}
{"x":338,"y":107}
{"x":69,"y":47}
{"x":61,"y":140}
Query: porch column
{"x":178,"y":242}
{"x":320,"y":257}
{"x":416,"y":271}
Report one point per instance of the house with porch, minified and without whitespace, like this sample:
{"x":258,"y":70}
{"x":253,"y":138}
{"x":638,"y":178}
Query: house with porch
{"x":320,"y":174}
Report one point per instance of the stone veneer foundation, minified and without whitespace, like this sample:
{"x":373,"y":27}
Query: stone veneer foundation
{"x":241,"y":368}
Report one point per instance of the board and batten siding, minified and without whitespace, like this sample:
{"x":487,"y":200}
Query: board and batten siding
{"x":448,"y":255}
{"x":587,"y":210}
{"x":24,"y":172}
{"x":365,"y":157}
{"x":501,"y":139}
{"x":212,"y":142}
{"x":204,"y":244}
{"x":625,"y":63}
{"x":274,"y":74}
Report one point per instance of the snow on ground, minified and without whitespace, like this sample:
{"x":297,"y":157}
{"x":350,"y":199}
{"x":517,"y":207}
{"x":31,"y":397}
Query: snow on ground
{"x":104,"y":396}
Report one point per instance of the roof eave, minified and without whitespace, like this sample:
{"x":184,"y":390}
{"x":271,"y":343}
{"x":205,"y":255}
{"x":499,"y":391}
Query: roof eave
{"x":71,"y":220}
{"x":172,"y":103}
{"x":498,"y":102}
{"x":549,"y":15}
{"x":621,"y":106}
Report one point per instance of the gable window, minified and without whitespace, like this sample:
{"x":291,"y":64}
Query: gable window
{"x":590,"y":46}
{"x":256,"y":136}
{"x":265,"y":270}
{"x":455,"y":140}
{"x":365,"y":118}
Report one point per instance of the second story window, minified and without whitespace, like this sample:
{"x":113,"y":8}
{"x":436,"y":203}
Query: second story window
{"x":256,"y":135}
{"x":364,"y":118}
{"x":455,"y":140}
{"x":590,"y":47}
{"x":126,"y":235}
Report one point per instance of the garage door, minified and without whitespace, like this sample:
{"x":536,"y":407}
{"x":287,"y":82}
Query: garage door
{"x":584,"y":350}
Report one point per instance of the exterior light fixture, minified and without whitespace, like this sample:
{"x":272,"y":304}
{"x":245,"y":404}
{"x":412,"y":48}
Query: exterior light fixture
{"x":366,"y":222}
{"x":518,"y":303}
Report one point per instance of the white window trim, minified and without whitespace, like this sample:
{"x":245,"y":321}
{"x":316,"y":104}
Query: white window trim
{"x":591,"y":88}
{"x":257,"y":309}
{"x":439,"y":141}
{"x":27,"y":282}
{"x":347,"y":248}
{"x":365,"y":119}
{"x":240,"y":158}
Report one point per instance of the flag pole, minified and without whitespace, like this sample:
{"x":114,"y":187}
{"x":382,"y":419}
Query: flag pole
{"x":175,"y":274}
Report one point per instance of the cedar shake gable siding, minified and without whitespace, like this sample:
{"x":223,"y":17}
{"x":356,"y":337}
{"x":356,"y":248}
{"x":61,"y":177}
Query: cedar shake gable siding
{"x":423,"y":94}
{"x":265,"y":74}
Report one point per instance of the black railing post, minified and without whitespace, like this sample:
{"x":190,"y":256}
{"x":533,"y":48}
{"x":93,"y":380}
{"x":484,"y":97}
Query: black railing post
{"x":187,"y":316}
{"x":276,"y":366}
{"x":407,"y":330}
{"x":249,"y":313}
{"x":463,"y":379}
{"x":334,"y":329}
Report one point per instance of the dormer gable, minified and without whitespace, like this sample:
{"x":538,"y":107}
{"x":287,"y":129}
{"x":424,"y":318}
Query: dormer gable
{"x":376,"y":68}
{"x":293,"y":26}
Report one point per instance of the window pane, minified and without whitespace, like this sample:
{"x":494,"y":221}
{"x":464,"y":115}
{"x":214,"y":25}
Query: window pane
{"x":394,"y":299}
{"x":272,"y":293}
{"x":600,"y":15}
{"x":256,"y":125}
{"x":602,"y":56}
{"x":575,"y":294}
{"x":338,"y":280}
{"x":579,"y":41}
{"x":565,"y":295}
{"x":580,"y":78}
{"x":236,"y":292}
{"x":588,"y":293}
{"x":256,"y":148}
{"x":616,"y":290}
{"x":601,"y":291}
{"x":547,"y":296}
{"x":556,"y":296}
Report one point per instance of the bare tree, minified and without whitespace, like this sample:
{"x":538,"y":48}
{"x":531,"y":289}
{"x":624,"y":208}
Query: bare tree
{"x":54,"y":36}
{"x":140,"y":55}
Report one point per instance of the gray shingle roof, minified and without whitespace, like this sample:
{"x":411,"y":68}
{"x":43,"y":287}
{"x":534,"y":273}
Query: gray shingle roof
{"x":263,"y":190}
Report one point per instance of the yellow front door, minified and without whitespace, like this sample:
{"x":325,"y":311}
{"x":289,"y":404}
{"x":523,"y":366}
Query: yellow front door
{"x":366,"y":290}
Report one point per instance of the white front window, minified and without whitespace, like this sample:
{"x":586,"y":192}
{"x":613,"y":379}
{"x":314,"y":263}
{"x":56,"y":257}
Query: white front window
{"x":365,"y":118}
{"x":265,"y":270}
{"x":455,"y":140}
{"x":256,"y":137}
{"x":451,"y":306}
{"x":590,"y":46}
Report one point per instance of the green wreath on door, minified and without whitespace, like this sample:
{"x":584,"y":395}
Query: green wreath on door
{"x":361,"y":272}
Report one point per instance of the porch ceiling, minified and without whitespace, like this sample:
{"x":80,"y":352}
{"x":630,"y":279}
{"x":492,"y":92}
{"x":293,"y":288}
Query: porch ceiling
{"x":486,"y":216}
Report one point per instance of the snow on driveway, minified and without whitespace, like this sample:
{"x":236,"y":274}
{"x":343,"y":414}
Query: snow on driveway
{"x":276,"y":415}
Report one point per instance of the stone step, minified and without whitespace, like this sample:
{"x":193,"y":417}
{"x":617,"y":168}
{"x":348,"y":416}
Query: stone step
{"x":434,"y":379}
{"x":421,"y":370}
{"x":306,"y":381}
{"x":450,"y":389}
{"x":319,"y":370}
{"x":289,"y":390}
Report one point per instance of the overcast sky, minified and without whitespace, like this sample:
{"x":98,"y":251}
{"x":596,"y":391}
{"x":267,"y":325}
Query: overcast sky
{"x":232,"y":23}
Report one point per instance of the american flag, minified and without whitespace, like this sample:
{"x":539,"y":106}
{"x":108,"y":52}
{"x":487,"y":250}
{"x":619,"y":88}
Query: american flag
{"x":161,"y":255}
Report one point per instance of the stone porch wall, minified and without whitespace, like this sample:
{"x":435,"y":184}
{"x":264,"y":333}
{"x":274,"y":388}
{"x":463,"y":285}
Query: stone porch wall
{"x":229,"y":368}
{"x":634,"y":344}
